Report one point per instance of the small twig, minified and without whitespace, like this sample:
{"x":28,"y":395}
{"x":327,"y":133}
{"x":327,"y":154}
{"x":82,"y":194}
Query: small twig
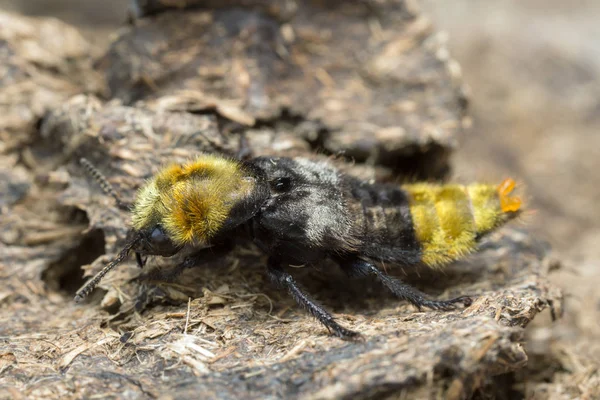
{"x":187,"y":317}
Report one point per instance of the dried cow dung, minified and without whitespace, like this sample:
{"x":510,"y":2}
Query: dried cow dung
{"x":368,"y":85}
{"x":373,"y":79}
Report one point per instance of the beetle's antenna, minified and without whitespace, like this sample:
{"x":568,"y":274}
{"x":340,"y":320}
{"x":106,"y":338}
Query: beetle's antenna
{"x":103,"y":182}
{"x":86,"y":289}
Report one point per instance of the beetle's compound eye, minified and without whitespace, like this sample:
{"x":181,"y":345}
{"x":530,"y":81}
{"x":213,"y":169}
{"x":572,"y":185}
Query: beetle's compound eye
{"x":158,"y":236}
{"x":282,"y":184}
{"x":158,"y":243}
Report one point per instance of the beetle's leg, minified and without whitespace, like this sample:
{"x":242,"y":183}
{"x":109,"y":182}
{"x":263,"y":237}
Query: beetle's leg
{"x":140,"y":261}
{"x":196,"y":259}
{"x":150,"y":290}
{"x":286,"y":281}
{"x":358,"y":267}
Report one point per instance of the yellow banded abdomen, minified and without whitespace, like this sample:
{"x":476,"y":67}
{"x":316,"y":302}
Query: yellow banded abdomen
{"x":448,"y":219}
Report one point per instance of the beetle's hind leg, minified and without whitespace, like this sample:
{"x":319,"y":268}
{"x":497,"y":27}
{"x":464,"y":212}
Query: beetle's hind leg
{"x":358,"y":267}
{"x":286,"y":281}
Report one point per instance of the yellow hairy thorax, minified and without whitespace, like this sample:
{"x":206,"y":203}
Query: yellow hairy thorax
{"x":448,"y":219}
{"x":191,"y":200}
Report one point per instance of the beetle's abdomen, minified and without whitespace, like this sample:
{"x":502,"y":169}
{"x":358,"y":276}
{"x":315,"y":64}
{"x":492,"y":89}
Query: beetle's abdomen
{"x":448,"y":219}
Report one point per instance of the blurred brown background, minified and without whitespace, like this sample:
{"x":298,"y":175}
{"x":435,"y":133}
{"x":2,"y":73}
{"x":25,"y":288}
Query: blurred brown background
{"x":78,"y":12}
{"x":533,"y":70}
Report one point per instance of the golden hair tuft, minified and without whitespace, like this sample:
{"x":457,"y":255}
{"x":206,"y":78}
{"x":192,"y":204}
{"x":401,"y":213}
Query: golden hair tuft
{"x":193,"y":199}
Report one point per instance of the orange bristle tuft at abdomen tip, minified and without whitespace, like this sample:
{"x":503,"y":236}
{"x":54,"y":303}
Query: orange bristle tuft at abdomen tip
{"x":508,"y":203}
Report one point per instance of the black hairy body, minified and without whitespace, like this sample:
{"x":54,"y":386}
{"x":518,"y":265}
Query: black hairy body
{"x":314,"y":212}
